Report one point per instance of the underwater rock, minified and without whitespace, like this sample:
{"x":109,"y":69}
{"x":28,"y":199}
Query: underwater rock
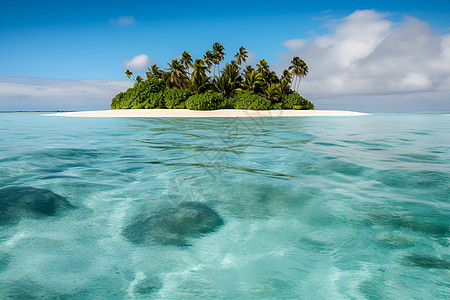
{"x":148,"y":286}
{"x":409,"y":222}
{"x":170,"y":225}
{"x":29,"y":202}
{"x":373,"y":288}
{"x":426,"y":262}
{"x":393,"y":240}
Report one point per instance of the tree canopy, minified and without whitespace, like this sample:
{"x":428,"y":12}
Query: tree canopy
{"x":200,"y":84}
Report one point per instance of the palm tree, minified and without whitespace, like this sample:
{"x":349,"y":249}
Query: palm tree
{"x":199,"y":67}
{"x":263,"y":66}
{"x":264,"y":70}
{"x":186,"y":60}
{"x":285,"y":82}
{"x":287,"y":76}
{"x":231,"y":71}
{"x":199,"y":76}
{"x":165,"y":77}
{"x":223,"y":85}
{"x":208,"y":57}
{"x":248,"y":69}
{"x":218,"y":54}
{"x":129,"y":74}
{"x":199,"y":82}
{"x":285,"y":87}
{"x":178,"y":74}
{"x":230,"y":79}
{"x":273,"y":92}
{"x":241,"y":55}
{"x":253,"y":81}
{"x":199,"y":79}
{"x":270,"y":77}
{"x":154,"y":71}
{"x":299,"y":69}
{"x":234,"y":63}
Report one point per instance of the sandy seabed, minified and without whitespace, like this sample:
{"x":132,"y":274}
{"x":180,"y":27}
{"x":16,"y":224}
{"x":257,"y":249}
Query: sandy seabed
{"x":222,"y":113}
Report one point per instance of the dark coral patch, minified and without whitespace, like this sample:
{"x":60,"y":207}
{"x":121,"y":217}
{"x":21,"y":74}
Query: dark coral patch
{"x":29,"y":202}
{"x":170,"y":225}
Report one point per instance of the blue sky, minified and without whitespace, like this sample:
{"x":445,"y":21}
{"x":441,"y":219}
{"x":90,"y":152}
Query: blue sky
{"x":71,"y":42}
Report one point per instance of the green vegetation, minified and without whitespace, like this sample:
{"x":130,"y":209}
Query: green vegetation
{"x":200,"y":84}
{"x":207,"y":101}
{"x":248,"y":100}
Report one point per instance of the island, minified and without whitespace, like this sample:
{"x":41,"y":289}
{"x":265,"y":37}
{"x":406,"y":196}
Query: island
{"x":202,"y":85}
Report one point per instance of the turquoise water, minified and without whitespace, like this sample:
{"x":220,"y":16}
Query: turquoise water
{"x":312,"y":208}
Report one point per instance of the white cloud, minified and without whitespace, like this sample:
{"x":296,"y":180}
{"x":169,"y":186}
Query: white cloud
{"x":123,"y":21}
{"x":138,"y":62}
{"x":25,"y":93}
{"x":366,"y":54}
{"x":295,"y":44}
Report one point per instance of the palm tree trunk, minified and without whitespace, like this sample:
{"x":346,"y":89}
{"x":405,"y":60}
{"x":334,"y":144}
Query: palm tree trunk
{"x":298,"y":84}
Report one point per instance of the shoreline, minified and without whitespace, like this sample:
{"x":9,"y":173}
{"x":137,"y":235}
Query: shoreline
{"x":222,"y":113}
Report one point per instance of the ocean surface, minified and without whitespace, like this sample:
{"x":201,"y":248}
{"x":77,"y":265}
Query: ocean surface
{"x":250,"y":208}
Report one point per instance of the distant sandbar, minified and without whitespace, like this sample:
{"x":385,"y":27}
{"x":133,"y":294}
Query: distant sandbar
{"x":222,"y":113}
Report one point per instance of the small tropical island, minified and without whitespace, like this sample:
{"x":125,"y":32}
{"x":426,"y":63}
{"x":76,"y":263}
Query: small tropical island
{"x":202,"y":85}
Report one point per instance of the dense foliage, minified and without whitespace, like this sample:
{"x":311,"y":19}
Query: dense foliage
{"x":176,"y":98}
{"x":248,"y":100}
{"x":295,"y":101}
{"x":202,"y":85}
{"x":208,"y":101}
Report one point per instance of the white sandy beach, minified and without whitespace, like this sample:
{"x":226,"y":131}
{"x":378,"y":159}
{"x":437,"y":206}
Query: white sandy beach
{"x":223,"y":113}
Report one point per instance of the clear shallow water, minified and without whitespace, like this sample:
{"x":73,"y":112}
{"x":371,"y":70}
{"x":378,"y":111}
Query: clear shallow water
{"x":313,"y":208}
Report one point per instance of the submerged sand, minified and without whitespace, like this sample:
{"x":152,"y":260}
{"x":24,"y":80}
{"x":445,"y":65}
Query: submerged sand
{"x":222,"y":113}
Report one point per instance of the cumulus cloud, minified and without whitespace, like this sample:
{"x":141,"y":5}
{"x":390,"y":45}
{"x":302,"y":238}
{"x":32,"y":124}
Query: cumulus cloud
{"x":138,"y":62}
{"x":123,"y":21}
{"x":367,"y":54}
{"x":25,"y":93}
{"x":295,"y":44}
